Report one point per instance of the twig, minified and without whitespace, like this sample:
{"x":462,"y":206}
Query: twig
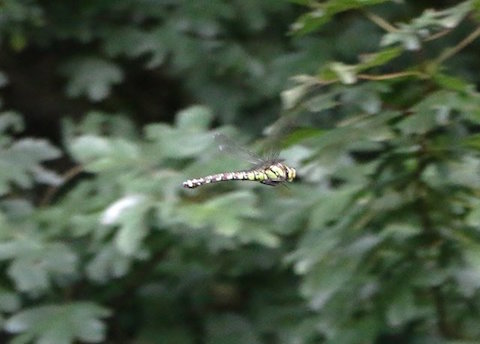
{"x":380,"y":21}
{"x":67,"y":176}
{"x":452,"y":51}
{"x":389,"y":76}
{"x":438,"y":35}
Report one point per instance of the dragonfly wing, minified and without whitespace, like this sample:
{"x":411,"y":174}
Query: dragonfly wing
{"x":227,"y":145}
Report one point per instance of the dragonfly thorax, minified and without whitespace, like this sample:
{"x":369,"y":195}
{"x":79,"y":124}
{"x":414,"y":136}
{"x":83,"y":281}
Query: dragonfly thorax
{"x":274,"y":174}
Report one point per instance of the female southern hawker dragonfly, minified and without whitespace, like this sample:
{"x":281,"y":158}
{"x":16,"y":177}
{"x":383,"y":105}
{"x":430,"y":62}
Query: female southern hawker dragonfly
{"x":271,"y":171}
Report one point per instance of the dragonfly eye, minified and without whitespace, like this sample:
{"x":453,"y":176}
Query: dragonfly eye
{"x":291,"y":173}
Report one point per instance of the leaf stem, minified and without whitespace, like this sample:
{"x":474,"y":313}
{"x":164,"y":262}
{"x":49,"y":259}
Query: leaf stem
{"x":380,"y":21}
{"x":390,"y":75}
{"x":67,"y":176}
{"x":462,"y":44}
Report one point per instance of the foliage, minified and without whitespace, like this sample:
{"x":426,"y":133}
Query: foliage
{"x":230,"y":55}
{"x":377,"y":242}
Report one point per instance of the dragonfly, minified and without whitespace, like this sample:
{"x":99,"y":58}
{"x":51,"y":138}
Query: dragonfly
{"x":269,"y":171}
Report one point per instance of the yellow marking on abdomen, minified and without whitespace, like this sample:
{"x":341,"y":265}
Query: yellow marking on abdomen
{"x":250,"y":175}
{"x":280,"y":172}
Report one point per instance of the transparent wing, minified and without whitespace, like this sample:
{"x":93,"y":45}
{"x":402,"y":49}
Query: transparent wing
{"x":227,"y":145}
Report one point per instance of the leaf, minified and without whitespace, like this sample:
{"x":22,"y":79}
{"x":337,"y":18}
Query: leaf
{"x":177,"y":144}
{"x":403,"y":308}
{"x":408,"y":39}
{"x":115,"y":213}
{"x":346,"y":73}
{"x":59,"y":324}
{"x":451,"y":82}
{"x":431,"y":112}
{"x":3,"y":80}
{"x":300,"y":135}
{"x":332,"y":205}
{"x":230,"y":328}
{"x":104,"y":154}
{"x":129,"y":214}
{"x":9,"y":301}
{"x":108,"y":263}
{"x":34,"y":264}
{"x":378,"y":59}
{"x":327,"y":279}
{"x":227,"y":216}
{"x":21,"y":164}
{"x":134,"y":43}
{"x":468,"y":276}
{"x":424,"y":26}
{"x":26,"y":150}
{"x":195,"y":117}
{"x":291,"y":97}
{"x":10,"y":119}
{"x":321,"y":102}
{"x":323,"y":13}
{"x":92,"y":77}
{"x":87,"y":148}
{"x":313,"y":248}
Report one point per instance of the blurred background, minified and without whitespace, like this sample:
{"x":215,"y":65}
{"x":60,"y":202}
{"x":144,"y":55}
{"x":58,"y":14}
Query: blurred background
{"x":106,"y":107}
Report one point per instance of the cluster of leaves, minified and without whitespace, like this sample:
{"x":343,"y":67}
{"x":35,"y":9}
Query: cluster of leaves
{"x":232,"y":56}
{"x":142,"y":240}
{"x":378,"y":240}
{"x":391,"y":249}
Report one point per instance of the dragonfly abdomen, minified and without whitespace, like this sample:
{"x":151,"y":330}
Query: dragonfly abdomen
{"x":271,"y":175}
{"x":215,"y":178}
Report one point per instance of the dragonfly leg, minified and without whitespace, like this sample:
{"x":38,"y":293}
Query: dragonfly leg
{"x":270,"y":182}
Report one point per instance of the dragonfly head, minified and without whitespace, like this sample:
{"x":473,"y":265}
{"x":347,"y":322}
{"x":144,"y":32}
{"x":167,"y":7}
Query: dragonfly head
{"x":291,"y":173}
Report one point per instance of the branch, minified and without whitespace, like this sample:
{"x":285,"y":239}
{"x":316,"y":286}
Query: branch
{"x":452,"y":51}
{"x":67,"y":176}
{"x":380,"y":21}
{"x":390,"y":76}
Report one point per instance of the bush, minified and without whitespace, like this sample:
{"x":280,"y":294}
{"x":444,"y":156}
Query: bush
{"x":377,"y":241}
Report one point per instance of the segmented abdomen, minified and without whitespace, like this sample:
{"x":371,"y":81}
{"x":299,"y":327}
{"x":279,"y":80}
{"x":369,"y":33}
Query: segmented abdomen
{"x":272,"y":175}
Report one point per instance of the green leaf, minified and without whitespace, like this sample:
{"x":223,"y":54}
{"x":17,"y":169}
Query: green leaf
{"x":468,"y":276}
{"x":327,"y":279}
{"x":134,"y":43}
{"x":379,"y":58}
{"x":332,"y":205}
{"x":10,"y":119}
{"x":323,"y":13}
{"x":431,"y":112}
{"x":9,"y":301}
{"x":3,"y":80}
{"x":227,"y":216}
{"x":293,"y":96}
{"x":35,"y":264}
{"x":26,"y":150}
{"x":321,"y":102}
{"x":302,"y":134}
{"x":103,"y":154}
{"x":92,"y":77}
{"x":21,"y":164}
{"x":410,"y":35}
{"x":59,"y":324}
{"x":230,"y":328}
{"x":451,"y":82}
{"x":107,"y":264}
{"x":176,"y":144}
{"x":346,"y":73}
{"x":402,"y":309}
{"x":196,"y":118}
{"x":129,"y":214}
